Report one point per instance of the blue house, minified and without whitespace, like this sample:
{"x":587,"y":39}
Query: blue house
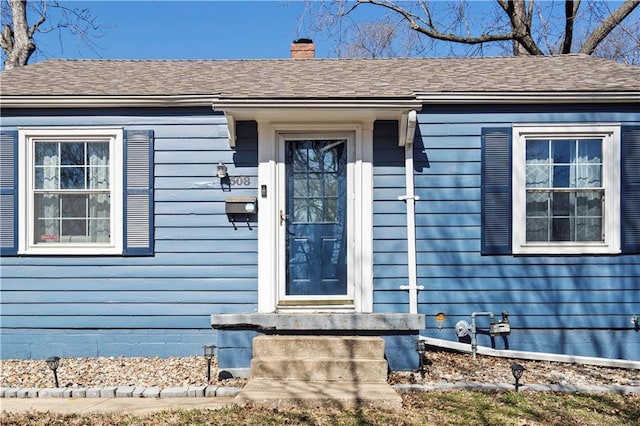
{"x":151,"y":207}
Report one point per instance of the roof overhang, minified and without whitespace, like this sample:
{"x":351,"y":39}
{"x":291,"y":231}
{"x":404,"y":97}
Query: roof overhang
{"x":105,"y":101}
{"x":312,"y":110}
{"x":527,"y":97}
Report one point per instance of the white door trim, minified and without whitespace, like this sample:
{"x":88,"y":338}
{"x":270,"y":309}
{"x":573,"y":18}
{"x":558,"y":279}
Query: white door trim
{"x":270,"y":254}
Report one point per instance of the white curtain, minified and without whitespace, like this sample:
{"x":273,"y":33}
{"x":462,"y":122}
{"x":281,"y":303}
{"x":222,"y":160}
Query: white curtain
{"x":99,"y":204}
{"x":48,"y":177}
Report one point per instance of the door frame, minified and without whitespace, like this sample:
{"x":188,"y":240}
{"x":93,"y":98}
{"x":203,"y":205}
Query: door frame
{"x":271,"y":248}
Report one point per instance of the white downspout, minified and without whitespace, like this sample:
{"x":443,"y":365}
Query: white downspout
{"x":410,"y":198}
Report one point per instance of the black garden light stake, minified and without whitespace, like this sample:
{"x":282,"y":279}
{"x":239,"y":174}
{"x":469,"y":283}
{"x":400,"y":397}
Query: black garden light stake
{"x":421,"y":348}
{"x":53,"y":363}
{"x":517,"y":370}
{"x":208,"y":355}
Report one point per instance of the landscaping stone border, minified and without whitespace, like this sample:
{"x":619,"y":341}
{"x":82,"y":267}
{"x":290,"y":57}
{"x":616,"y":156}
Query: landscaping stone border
{"x":227,"y":391}
{"x":121,"y":392}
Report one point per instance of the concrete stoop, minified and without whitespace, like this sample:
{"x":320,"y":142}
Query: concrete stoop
{"x":319,"y":371}
{"x":307,"y":394}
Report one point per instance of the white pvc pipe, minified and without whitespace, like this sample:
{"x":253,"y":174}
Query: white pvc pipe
{"x":534,"y":356}
{"x":410,"y":199}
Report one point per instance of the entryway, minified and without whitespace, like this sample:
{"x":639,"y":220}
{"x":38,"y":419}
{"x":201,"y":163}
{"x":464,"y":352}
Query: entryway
{"x":315,"y":217}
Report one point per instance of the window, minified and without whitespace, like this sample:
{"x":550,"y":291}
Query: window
{"x":566,"y":186}
{"x":71,"y":191}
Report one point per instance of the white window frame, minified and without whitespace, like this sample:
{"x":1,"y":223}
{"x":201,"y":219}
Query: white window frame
{"x":27,"y":137}
{"x":610,"y":134}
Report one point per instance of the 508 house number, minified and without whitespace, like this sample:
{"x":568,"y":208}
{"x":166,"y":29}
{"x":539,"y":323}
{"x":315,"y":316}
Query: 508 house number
{"x":240,"y":180}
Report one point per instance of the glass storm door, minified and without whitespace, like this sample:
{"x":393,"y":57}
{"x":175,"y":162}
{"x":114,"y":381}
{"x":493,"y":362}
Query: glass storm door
{"x":316,"y":209}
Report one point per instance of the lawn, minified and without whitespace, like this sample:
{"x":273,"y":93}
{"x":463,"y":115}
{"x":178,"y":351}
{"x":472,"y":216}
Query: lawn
{"x":429,"y":408}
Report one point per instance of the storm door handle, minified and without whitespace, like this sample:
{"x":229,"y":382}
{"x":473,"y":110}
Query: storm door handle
{"x":283,"y":217}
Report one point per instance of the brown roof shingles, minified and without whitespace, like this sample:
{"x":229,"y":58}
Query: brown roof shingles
{"x":319,"y":78}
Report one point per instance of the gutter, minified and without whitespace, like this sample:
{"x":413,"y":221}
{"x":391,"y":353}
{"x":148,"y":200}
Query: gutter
{"x":528,"y":97}
{"x":93,"y":101}
{"x":403,"y":103}
{"x":407,"y":134}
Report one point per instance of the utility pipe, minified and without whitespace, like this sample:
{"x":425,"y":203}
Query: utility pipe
{"x":533,"y":356}
{"x":410,"y":198}
{"x":474,"y":330}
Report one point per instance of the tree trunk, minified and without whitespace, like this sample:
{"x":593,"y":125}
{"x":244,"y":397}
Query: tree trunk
{"x":17,"y":42}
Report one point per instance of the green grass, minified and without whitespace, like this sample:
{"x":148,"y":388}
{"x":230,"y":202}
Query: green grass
{"x":431,"y":408}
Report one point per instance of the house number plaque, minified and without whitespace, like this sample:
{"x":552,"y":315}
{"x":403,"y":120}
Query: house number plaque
{"x":240,"y":180}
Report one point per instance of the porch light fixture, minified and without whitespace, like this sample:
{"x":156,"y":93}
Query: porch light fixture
{"x":208,"y":355}
{"x":221,"y":170}
{"x":517,"y":370}
{"x":53,"y":363}
{"x":421,"y":348}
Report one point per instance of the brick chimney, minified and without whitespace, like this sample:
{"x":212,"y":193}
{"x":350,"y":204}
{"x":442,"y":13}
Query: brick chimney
{"x":303,"y":48}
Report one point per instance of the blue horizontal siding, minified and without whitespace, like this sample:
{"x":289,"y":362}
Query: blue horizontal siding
{"x":175,"y":295}
{"x":528,"y":271}
{"x":41,"y":344}
{"x":202,"y":264}
{"x":521,"y":298}
{"x":555,"y":292}
{"x":164,"y":259}
{"x":130,"y":322}
{"x":434,"y":286}
{"x":130,"y":308}
{"x":576,"y":305}
{"x":73,"y":270}
{"x":222,"y":232}
{"x":150,"y":285}
{"x":207,"y":246}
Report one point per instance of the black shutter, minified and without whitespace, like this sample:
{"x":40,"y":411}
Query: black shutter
{"x":630,"y":190}
{"x":496,"y":191}
{"x":138,"y":193}
{"x":8,"y":193}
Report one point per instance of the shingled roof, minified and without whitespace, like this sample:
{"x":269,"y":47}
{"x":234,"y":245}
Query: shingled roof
{"x":319,"y":78}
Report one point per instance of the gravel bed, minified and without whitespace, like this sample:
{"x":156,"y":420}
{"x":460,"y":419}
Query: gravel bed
{"x":449,"y":367}
{"x":441,"y":367}
{"x":113,"y":371}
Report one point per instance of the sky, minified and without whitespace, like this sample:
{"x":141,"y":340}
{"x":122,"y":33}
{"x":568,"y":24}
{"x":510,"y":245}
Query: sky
{"x":185,"y":30}
{"x":203,"y":29}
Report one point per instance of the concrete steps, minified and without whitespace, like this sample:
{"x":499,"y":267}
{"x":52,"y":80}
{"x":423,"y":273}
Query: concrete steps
{"x":319,"y":371}
{"x":352,"y":347}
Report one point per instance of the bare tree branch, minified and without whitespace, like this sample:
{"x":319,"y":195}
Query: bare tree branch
{"x":431,"y":31}
{"x":40,"y":21}
{"x":606,"y":26}
{"x":518,"y":27}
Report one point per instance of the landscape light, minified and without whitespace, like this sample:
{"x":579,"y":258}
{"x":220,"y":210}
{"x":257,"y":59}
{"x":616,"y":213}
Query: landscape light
{"x":208,"y":355}
{"x":421,"y":348}
{"x":53,"y":363}
{"x":517,"y":370}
